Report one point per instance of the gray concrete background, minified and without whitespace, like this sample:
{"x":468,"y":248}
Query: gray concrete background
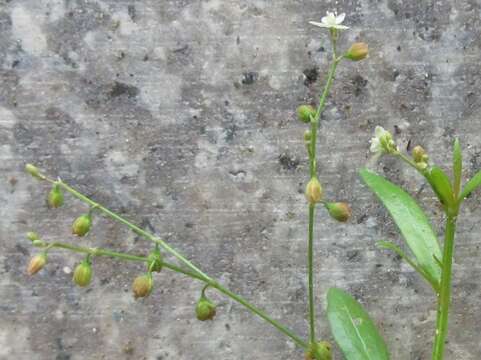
{"x":180,"y":115}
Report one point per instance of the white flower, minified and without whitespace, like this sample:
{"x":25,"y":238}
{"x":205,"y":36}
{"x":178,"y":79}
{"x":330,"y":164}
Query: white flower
{"x":382,"y":142}
{"x":331,"y":21}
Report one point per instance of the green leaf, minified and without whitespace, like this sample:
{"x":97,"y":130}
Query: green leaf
{"x":457,"y":167}
{"x":471,"y":186}
{"x":353,"y":329}
{"x":393,"y":247}
{"x":411,"y":221}
{"x":441,"y":185}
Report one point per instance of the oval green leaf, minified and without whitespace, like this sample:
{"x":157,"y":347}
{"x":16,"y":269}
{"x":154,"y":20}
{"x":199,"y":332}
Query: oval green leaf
{"x":411,"y":221}
{"x":353,"y":329}
{"x":441,"y":185}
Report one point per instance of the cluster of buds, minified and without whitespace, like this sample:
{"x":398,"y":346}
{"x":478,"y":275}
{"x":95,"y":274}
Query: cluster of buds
{"x":383,"y":142}
{"x":319,"y":351}
{"x":420,"y":157}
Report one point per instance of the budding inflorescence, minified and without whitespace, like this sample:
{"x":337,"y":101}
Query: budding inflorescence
{"x":420,"y":157}
{"x":383,"y":142}
{"x":142,"y":285}
{"x":313,"y":191}
{"x":81,"y":225}
{"x":205,"y":308}
{"x":55,"y":196}
{"x":36,"y":263}
{"x":82,"y":275}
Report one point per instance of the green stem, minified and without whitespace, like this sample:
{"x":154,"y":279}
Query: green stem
{"x":194,"y":272}
{"x":313,"y":173}
{"x":193,"y":275}
{"x":312,"y":325}
{"x":444,"y":297}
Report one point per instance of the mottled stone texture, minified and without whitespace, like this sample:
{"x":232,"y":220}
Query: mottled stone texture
{"x":180,"y":115}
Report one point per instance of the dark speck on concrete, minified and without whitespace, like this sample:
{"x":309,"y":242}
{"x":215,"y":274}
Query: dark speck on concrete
{"x":249,"y":77}
{"x":311,"y":75}
{"x":288,"y":162}
{"x":119,"y":89}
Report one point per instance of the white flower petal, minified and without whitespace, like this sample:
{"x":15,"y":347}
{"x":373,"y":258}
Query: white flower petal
{"x":340,"y":18}
{"x":340,"y":27}
{"x":322,"y":25}
{"x":379,"y":132}
{"x":375,"y":145}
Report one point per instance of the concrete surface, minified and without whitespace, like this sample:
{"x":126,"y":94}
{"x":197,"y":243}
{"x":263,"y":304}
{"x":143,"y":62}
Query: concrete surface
{"x":180,"y":115}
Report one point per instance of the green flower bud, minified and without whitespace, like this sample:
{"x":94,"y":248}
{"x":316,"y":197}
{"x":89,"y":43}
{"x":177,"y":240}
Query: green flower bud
{"x":307,"y":136}
{"x":82,"y":274}
{"x":339,"y":211}
{"x":305,"y":112}
{"x":55,"y":197}
{"x":36,"y":263}
{"x":319,"y":351}
{"x":33,"y":170}
{"x":142,"y":285}
{"x":205,"y":309}
{"x":81,"y":225}
{"x":357,"y":51}
{"x":313,"y":191}
{"x":154,"y":261}
{"x":32,"y":236}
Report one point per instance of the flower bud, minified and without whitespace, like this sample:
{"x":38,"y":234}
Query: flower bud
{"x":339,"y":211}
{"x":419,"y":154}
{"x":36,"y":263}
{"x":313,"y":191}
{"x":154,"y":261}
{"x":81,"y":225}
{"x":358,"y":51}
{"x":55,"y":197}
{"x":33,"y":170}
{"x":307,"y":136}
{"x":305,"y":112}
{"x":205,"y":309}
{"x":82,"y":274}
{"x":32,"y":236}
{"x":142,"y":285}
{"x":319,"y":351}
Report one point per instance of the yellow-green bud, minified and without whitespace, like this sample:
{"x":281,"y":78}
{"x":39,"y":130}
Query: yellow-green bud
{"x":339,"y":211}
{"x":357,"y":51}
{"x":205,"y":309}
{"x":305,"y":112}
{"x":55,"y":197}
{"x":36,"y":263}
{"x":154,"y":261}
{"x":32,"y":236}
{"x":313,"y":191}
{"x":81,"y":225}
{"x":33,"y":170}
{"x":307,"y":136}
{"x":319,"y":351}
{"x":419,"y":154}
{"x":142,"y":285}
{"x":82,"y":274}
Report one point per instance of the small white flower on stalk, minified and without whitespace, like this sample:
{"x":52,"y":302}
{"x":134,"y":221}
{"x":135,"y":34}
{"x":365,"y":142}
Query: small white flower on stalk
{"x":382,"y":142}
{"x":331,"y":21}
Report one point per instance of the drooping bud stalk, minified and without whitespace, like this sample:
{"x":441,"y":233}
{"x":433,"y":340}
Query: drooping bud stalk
{"x":205,"y":308}
{"x":154,"y":261}
{"x":82,"y":275}
{"x":319,"y":351}
{"x":420,"y":157}
{"x":36,"y":263}
{"x":32,"y":236}
{"x":305,"y":112}
{"x":81,"y":225}
{"x":55,"y":197}
{"x":33,"y":170}
{"x":142,"y":285}
{"x":313,"y":191}
{"x":340,"y":211}
{"x":358,"y":51}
